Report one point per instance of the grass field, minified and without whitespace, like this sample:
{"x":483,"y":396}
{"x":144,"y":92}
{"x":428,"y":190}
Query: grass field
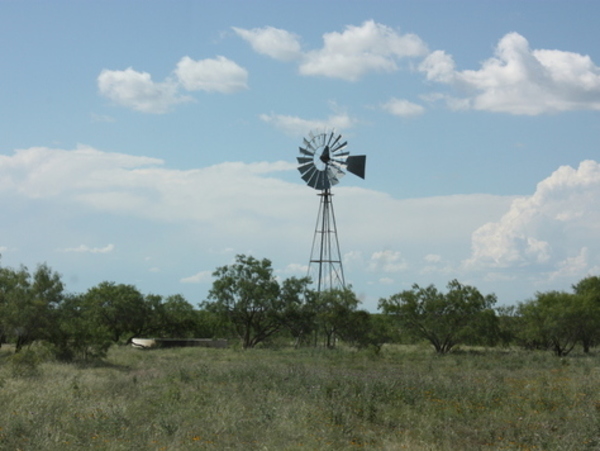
{"x":312,"y":399}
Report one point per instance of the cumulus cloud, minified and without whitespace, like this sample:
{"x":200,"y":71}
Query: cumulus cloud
{"x":572,"y":267}
{"x":520,"y":80}
{"x":137,"y":90}
{"x":219,"y":75}
{"x":274,"y":42}
{"x":349,"y":55}
{"x":370,"y":47}
{"x":296,"y":126}
{"x":403,"y":108}
{"x":549,"y":229}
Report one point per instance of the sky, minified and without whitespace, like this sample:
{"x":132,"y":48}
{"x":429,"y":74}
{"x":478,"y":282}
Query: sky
{"x":150,"y":142}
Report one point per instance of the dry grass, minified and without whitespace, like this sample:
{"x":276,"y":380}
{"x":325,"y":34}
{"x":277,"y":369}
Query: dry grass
{"x":406,"y":398}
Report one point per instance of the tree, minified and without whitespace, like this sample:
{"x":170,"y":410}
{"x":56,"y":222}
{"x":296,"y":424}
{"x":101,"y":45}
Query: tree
{"x":443,"y":319}
{"x":588,"y":292}
{"x":298,"y":315}
{"x":335,"y":313}
{"x":28,"y":303}
{"x":509,"y":324}
{"x":248,"y":294}
{"x":121,"y":309}
{"x":554,"y":319}
{"x":77,"y":333}
{"x":176,"y":318}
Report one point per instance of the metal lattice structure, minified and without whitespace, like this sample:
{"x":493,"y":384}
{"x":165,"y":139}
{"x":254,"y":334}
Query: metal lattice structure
{"x":323,"y":161}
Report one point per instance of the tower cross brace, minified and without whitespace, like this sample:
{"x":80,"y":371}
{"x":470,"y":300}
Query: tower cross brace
{"x":325,"y":253}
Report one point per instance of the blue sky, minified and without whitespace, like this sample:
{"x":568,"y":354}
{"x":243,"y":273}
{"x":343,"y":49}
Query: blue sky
{"x":150,"y":142}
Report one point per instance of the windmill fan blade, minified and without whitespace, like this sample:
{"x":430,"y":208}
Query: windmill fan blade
{"x":332,"y":176}
{"x":317,"y":183}
{"x":335,"y":142}
{"x":304,"y":160}
{"x":336,"y":171}
{"x":308,"y":145}
{"x":330,"y":138}
{"x":305,"y":167}
{"x":322,"y":181}
{"x":356,"y":165}
{"x":307,"y":152}
{"x":339,"y":147}
{"x":342,"y":154}
{"x":308,"y":175}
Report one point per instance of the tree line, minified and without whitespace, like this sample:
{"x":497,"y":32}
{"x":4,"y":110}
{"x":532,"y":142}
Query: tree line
{"x":247,"y":302}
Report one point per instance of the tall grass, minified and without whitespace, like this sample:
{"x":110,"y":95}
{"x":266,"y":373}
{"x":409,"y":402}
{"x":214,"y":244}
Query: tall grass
{"x":403,"y":398}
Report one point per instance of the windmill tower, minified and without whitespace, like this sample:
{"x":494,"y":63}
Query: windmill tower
{"x":323,"y":161}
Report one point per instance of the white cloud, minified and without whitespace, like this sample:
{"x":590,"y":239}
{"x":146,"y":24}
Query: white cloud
{"x":572,"y":268}
{"x":370,"y":47}
{"x":138,"y":186}
{"x":137,"y":91}
{"x":40,"y":172}
{"x":295,"y":268}
{"x":220,"y":75}
{"x":433,"y":258}
{"x":89,"y":250}
{"x":200,"y":277}
{"x":435,"y":264}
{"x":403,"y":108}
{"x":387,"y":261}
{"x":248,"y":206}
{"x":439,"y":66}
{"x":349,"y":55}
{"x":296,"y":126}
{"x":519,"y":80}
{"x":543,"y":230}
{"x":274,"y":42}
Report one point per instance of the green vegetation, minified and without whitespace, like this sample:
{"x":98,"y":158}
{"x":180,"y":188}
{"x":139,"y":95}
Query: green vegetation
{"x":404,"y":397}
{"x":443,"y":319}
{"x":304,"y":371}
{"x":247,"y":303}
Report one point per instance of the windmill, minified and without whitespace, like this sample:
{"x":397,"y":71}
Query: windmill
{"x":323,"y":161}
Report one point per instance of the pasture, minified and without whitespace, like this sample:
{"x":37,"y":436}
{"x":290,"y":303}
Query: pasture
{"x":406,"y":397}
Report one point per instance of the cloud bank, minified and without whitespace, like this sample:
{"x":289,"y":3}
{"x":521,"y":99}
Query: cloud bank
{"x":549,"y":237}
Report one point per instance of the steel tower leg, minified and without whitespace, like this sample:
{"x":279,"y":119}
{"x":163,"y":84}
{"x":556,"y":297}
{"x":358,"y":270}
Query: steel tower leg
{"x":325,"y":254}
